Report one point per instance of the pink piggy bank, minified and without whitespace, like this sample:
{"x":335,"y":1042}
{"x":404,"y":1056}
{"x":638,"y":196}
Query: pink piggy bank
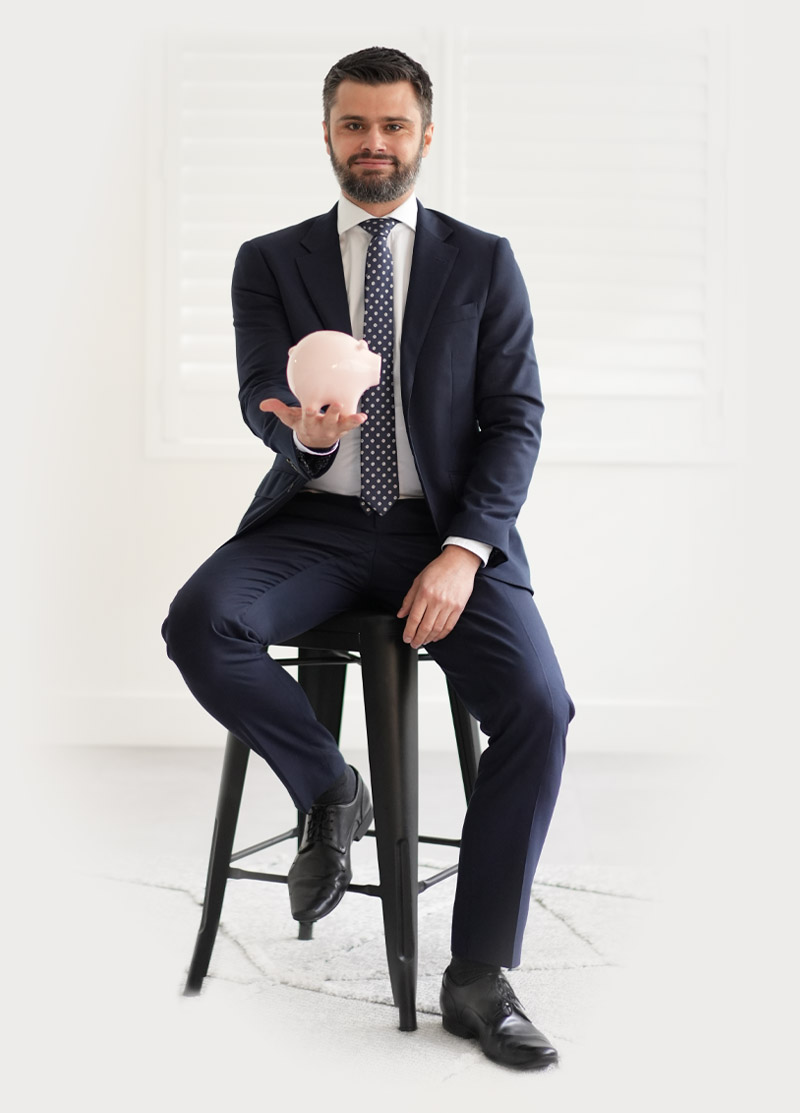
{"x":328,"y":366}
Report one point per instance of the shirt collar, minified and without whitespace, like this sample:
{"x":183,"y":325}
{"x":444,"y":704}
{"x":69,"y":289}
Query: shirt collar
{"x":349,"y":215}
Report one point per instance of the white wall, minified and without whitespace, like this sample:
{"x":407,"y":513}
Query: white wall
{"x":635,"y":567}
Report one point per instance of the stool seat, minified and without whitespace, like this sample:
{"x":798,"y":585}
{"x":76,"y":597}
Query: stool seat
{"x":373,"y":640}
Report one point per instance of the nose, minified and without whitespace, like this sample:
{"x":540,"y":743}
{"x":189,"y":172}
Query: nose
{"x":372,"y":139}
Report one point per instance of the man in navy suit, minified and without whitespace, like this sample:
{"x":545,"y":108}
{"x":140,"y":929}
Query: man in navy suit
{"x":457,"y":418}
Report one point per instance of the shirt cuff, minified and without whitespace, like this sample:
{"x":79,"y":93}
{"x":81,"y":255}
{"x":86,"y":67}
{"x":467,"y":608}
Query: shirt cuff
{"x":479,"y":548}
{"x":314,"y":451}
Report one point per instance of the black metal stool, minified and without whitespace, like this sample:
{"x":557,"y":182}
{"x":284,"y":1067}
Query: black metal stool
{"x":389,"y":675}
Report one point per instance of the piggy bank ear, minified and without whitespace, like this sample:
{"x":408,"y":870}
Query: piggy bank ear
{"x":292,"y":350}
{"x":361,"y":345}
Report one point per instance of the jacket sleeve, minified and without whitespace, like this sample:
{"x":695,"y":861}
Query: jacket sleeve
{"x":508,"y":411}
{"x":263,"y":340}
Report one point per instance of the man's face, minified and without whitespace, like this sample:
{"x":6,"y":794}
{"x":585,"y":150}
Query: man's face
{"x":376,"y":142}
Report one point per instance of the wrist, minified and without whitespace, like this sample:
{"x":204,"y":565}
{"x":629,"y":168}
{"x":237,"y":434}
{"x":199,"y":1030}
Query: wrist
{"x":462,"y":556}
{"x":479,"y":548}
{"x":316,"y":450}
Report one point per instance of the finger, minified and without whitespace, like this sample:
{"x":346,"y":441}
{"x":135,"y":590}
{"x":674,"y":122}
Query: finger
{"x":335,"y":419}
{"x":450,"y":623}
{"x":411,"y":635}
{"x":411,"y":631}
{"x":290,"y":416}
{"x":446,"y":619}
{"x":438,"y":630}
{"x":408,"y":601}
{"x":275,"y":406}
{"x":421,"y":626}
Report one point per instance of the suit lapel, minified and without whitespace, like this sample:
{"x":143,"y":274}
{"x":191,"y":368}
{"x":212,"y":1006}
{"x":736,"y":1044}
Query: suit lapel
{"x":320,"y":266}
{"x":431,"y":265}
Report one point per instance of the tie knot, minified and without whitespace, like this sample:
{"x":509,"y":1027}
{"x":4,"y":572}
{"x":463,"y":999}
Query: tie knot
{"x":379,"y":226}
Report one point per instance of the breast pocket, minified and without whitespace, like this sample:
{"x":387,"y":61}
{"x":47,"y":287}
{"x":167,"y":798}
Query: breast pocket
{"x":453,"y":314}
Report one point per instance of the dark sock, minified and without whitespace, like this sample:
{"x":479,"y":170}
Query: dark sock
{"x":342,"y":791}
{"x":464,"y":970}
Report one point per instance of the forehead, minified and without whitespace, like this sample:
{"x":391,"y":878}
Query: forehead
{"x":397,"y":100}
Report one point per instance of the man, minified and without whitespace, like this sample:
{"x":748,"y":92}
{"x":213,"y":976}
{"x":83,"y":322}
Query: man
{"x":410,"y":504}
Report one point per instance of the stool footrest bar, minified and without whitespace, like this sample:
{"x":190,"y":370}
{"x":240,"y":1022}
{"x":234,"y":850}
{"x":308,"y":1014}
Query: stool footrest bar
{"x":426,"y":838}
{"x":265,"y":845}
{"x":365,"y":890}
{"x":339,"y":659}
{"x":237,"y":874}
{"x":435,"y":878}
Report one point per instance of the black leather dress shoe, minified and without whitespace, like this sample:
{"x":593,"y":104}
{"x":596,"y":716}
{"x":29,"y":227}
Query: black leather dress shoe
{"x":321,"y":872}
{"x":487,"y":1009}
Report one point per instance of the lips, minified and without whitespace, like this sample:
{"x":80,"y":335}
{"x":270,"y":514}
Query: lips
{"x":373,"y":163}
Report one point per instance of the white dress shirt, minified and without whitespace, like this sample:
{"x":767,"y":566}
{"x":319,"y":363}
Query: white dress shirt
{"x":343,"y":477}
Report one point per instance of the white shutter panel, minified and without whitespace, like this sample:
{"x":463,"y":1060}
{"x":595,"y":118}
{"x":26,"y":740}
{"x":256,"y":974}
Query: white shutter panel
{"x":601,"y":157}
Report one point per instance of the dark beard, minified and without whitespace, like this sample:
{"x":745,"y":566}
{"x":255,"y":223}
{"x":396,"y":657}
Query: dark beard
{"x":381,"y":188}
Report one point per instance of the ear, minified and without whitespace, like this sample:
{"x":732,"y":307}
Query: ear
{"x":427,"y":139}
{"x":325,"y":136}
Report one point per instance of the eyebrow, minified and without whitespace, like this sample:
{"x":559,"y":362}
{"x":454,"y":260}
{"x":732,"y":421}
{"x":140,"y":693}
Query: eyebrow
{"x":383,"y":119}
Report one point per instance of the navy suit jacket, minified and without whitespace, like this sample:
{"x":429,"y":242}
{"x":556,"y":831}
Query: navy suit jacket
{"x":470,"y":383}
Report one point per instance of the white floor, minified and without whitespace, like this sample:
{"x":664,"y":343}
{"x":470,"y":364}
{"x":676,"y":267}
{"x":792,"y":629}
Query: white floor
{"x":99,"y":938}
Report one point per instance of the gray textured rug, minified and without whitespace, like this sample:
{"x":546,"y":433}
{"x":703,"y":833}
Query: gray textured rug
{"x":580,"y":918}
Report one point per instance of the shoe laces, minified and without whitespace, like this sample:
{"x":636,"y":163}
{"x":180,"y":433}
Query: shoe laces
{"x":319,"y":827}
{"x":507,"y":1000}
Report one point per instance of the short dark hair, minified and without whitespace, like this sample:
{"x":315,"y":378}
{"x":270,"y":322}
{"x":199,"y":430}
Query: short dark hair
{"x":379,"y":65}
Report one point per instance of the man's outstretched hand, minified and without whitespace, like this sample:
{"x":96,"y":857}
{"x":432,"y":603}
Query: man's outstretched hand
{"x":312,"y":428}
{"x":438,"y":595}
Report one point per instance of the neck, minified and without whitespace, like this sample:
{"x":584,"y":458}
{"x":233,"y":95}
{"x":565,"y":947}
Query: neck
{"x":382,"y":208}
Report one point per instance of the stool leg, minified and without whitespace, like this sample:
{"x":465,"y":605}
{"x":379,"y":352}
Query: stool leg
{"x":468,"y":741}
{"x":389,"y":673}
{"x":231,"y":785}
{"x":324,"y":687}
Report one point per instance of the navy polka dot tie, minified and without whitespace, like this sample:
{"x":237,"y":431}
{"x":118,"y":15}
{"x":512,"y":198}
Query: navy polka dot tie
{"x":379,"y":484}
